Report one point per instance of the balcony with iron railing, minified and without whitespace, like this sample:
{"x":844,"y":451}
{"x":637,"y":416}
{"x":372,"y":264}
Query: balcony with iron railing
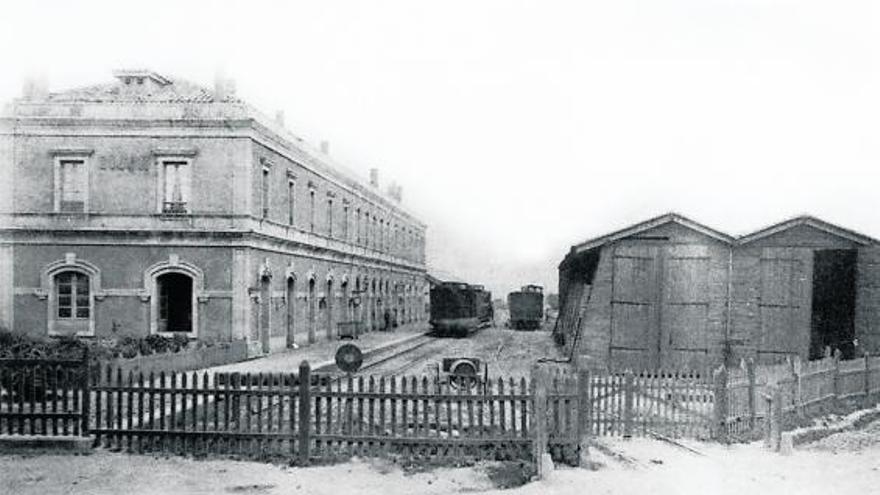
{"x":174,"y":208}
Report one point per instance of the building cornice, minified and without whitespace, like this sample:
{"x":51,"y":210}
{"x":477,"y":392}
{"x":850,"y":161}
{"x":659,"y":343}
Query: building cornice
{"x":159,"y":230}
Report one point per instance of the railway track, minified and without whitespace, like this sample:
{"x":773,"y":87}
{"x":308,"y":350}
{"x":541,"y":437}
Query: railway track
{"x":375,"y":359}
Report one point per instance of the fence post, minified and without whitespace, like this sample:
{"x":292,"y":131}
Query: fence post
{"x":628,"y":387}
{"x":797,"y":385}
{"x":836,"y":376}
{"x":776,"y":419}
{"x":539,"y":418}
{"x":867,"y":377}
{"x":720,"y":404}
{"x":753,"y":407}
{"x":585,"y":427}
{"x":86,"y":393}
{"x":305,"y":382}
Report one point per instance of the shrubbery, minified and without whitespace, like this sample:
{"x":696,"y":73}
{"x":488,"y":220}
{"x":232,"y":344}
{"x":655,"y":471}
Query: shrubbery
{"x":18,"y":345}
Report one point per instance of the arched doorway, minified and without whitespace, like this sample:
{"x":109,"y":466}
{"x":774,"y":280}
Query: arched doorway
{"x":311,"y":310}
{"x":174,"y":294}
{"x":265,"y":312}
{"x":328,"y":317}
{"x":291,"y":312}
{"x":346,"y":307}
{"x":374,"y":325}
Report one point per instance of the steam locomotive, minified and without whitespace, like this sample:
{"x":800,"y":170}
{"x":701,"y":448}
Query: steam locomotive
{"x":526,"y":307}
{"x":460,"y":309}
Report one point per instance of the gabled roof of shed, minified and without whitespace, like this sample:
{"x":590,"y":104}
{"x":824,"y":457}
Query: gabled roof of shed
{"x":651,"y":224}
{"x":810,"y":221}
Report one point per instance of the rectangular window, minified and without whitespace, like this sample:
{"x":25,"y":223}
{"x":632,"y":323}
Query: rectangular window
{"x":345,"y":222}
{"x":357,"y":225}
{"x":73,"y":296}
{"x":312,"y":210}
{"x":176,"y":187}
{"x":330,"y":217}
{"x":291,"y":202}
{"x":264,"y":193}
{"x":72,"y":185}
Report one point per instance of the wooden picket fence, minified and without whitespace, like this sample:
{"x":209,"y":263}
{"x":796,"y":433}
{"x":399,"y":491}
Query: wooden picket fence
{"x":44,"y":396}
{"x":801,"y":389}
{"x":310,"y":417}
{"x":278,"y":414}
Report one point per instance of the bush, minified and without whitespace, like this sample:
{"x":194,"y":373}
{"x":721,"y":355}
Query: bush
{"x":16,"y":344}
{"x":157,"y":344}
{"x":179,"y":342}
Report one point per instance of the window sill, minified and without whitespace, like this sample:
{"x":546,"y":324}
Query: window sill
{"x":190,"y":335}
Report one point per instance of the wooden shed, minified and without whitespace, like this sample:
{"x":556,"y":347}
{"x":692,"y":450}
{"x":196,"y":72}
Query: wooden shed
{"x":673,"y":293}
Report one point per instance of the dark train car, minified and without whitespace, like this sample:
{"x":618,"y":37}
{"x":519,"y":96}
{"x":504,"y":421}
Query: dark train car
{"x":459,"y":309}
{"x":484,"y":308}
{"x":526,"y":308}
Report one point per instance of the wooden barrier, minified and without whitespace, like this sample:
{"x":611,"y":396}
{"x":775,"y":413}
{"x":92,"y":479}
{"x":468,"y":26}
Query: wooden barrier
{"x":45,"y":396}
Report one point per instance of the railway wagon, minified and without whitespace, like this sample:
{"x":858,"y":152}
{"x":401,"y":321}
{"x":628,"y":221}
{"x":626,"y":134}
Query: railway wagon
{"x":526,"y":307}
{"x":459,"y":309}
{"x":484,"y":308}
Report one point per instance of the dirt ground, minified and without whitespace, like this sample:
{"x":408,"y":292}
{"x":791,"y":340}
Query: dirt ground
{"x":506,"y":353}
{"x":847,"y":462}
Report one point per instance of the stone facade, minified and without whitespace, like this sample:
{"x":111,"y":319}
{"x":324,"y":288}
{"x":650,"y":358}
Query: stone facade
{"x":672,"y":293}
{"x":152,"y":205}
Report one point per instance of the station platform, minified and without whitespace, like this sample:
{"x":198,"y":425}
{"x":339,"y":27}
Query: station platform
{"x":321,"y":354}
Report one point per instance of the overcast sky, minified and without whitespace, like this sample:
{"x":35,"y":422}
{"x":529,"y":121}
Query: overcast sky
{"x":518,"y":128}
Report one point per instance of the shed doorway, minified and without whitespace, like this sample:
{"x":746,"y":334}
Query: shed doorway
{"x":834,"y":302}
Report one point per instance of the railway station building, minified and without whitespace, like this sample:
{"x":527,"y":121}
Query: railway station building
{"x":151,"y":205}
{"x":672,"y":293}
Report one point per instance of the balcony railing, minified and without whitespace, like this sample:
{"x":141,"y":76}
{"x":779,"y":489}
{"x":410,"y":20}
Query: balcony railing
{"x":174,"y":208}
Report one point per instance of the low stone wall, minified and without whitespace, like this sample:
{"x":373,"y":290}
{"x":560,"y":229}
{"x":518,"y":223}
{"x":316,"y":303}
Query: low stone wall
{"x":174,"y":362}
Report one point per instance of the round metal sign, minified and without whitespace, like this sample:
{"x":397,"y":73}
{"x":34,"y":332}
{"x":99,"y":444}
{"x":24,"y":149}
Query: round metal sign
{"x":349,"y":358}
{"x":463,"y":374}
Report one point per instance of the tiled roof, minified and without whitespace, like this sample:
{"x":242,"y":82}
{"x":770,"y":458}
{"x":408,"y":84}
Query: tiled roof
{"x":178,"y":91}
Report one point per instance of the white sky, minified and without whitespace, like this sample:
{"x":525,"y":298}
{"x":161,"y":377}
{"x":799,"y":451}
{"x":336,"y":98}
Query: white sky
{"x":518,"y":128}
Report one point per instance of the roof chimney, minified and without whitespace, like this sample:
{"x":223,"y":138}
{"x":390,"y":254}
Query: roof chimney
{"x":325,"y":147}
{"x":36,"y":87}
{"x":224,"y":87}
{"x":394,"y":191}
{"x":374,"y":177}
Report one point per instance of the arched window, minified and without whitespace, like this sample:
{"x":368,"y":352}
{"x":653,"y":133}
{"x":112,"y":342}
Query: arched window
{"x":72,"y":296}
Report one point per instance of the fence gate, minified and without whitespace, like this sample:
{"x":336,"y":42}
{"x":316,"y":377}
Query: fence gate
{"x":44,"y":396}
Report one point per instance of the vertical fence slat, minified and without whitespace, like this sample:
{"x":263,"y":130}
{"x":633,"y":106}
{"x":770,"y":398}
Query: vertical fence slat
{"x":304,"y":413}
{"x":140,"y":410}
{"x":372,"y":407}
{"x":98,"y":407}
{"x":382,"y":412}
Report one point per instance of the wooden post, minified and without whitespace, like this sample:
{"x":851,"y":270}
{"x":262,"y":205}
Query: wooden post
{"x":768,"y":418}
{"x":867,"y":377}
{"x":86,"y":393}
{"x":539,"y":418}
{"x":584,"y":426}
{"x":750,"y":374}
{"x":776,"y":419}
{"x":304,"y":412}
{"x":628,"y":386}
{"x":836,"y":376}
{"x":797,"y":385}
{"x":721,"y":412}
